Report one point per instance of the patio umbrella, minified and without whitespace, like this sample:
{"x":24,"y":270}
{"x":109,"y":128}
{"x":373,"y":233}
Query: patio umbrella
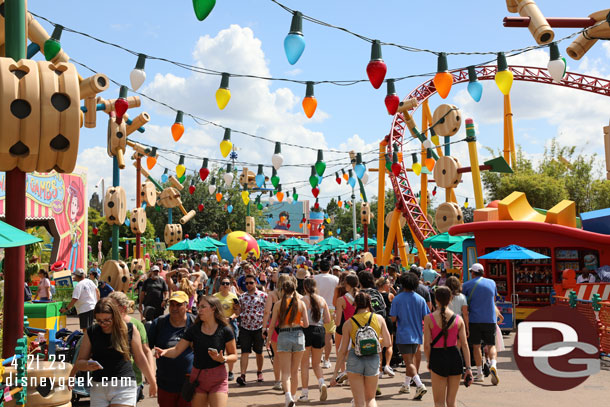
{"x":265,"y":245}
{"x":185,"y":244}
{"x":212,"y":241}
{"x":443,"y":240}
{"x":12,"y":237}
{"x":295,"y":244}
{"x":203,"y":245}
{"x":359,"y":243}
{"x":331,"y":243}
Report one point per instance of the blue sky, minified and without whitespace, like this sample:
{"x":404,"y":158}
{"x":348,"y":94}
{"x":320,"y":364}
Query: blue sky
{"x":245,"y":36}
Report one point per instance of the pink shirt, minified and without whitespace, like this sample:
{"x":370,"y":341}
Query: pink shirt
{"x":452,"y":333}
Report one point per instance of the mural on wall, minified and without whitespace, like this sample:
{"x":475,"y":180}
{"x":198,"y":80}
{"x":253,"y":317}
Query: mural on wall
{"x":287,"y":216}
{"x":58,"y":201}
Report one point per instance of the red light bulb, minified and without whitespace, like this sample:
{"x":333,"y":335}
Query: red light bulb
{"x":120,"y":107}
{"x":192,"y":189}
{"x":200,"y":207}
{"x":203,"y":173}
{"x":396,"y":169}
{"x":316,"y":205}
{"x":391,"y":100}
{"x":315,"y":191}
{"x":376,"y":69}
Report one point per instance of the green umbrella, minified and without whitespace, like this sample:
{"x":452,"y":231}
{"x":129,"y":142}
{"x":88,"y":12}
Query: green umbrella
{"x":265,"y":245}
{"x":12,"y":237}
{"x":295,"y":244}
{"x":185,"y":244}
{"x":359,"y":243}
{"x":213,"y":241}
{"x":443,"y":240}
{"x":331,"y":243}
{"x":456,"y":247}
{"x":204,"y":245}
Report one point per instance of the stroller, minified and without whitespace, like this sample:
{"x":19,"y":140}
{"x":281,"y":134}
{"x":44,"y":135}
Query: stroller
{"x":68,"y":345}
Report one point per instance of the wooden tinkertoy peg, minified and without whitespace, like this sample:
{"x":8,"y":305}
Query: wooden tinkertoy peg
{"x":170,"y":197}
{"x":117,"y":138}
{"x":585,"y":40}
{"x":538,"y":25}
{"x":115,"y":208}
{"x":404,"y":108}
{"x":607,"y":150}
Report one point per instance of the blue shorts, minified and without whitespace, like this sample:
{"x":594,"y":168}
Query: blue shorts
{"x":362,"y":365}
{"x":291,"y":341}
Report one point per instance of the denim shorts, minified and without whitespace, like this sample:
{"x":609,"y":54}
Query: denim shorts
{"x":362,"y":365}
{"x":291,"y":341}
{"x":105,"y":394}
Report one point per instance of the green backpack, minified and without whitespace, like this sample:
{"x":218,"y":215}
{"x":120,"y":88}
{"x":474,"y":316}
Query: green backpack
{"x":366,"y":340}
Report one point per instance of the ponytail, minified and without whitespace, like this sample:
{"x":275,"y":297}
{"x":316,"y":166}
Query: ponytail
{"x":289,"y":290}
{"x":444,"y":327}
{"x":309,"y":285}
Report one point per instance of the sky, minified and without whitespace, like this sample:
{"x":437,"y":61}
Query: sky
{"x":246,"y":37}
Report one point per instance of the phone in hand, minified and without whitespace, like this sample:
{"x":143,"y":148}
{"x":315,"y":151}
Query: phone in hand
{"x":468,"y":380}
{"x":95,"y":363}
{"x":212,"y":350}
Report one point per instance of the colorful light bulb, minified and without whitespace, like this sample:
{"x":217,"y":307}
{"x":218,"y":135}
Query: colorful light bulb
{"x":416,"y":167}
{"x":137,"y":75}
{"x":337,"y":178}
{"x":225,"y":145}
{"x":313,"y":178}
{"x":475,"y":89}
{"x":351,"y":180}
{"x":365,"y":178}
{"x":223,"y":94}
{"x":504,"y":77}
{"x":151,"y":160}
{"x":277,"y":159}
{"x":320,"y":164}
{"x":315,"y":191}
{"x":294,"y":43}
{"x":557,"y":64}
{"x":391,"y":100}
{"x":178,"y":127}
{"x":245,"y":197}
{"x":359,"y":168}
{"x":345,"y":176}
{"x":260,"y":177}
{"x":165,"y":176}
{"x":443,"y":80}
{"x":317,"y":204}
{"x":52,"y":46}
{"x":280,"y":195}
{"x":309,"y":101}
{"x":204,"y":171}
{"x":430,"y":162}
{"x":218,"y":196}
{"x":203,"y":8}
{"x":396,"y":167}
{"x":212,"y":186}
{"x":192,"y":187}
{"x":180,"y":168}
{"x":466,"y":203}
{"x":228,"y":175}
{"x":339,"y":202}
{"x":376,"y":69}
{"x":275,"y":180}
{"x":434,"y":191}
{"x":295,"y":196}
{"x":121,"y":105}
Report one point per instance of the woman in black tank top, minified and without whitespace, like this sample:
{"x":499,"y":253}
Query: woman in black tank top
{"x":106,"y":350}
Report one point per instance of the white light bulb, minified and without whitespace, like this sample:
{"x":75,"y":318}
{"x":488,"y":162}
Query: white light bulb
{"x":557,"y":69}
{"x":277,"y":160}
{"x":365,"y":178}
{"x":212,"y":189}
{"x":137,"y":78}
{"x":427,"y":143}
{"x":228,"y":178}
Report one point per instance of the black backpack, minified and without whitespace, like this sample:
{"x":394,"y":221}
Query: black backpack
{"x":27,"y":294}
{"x":377,"y":302}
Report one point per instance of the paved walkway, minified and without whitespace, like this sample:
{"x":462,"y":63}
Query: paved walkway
{"x":513,"y":390}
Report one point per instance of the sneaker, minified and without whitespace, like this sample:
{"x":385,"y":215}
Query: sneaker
{"x":378,"y":391}
{"x":478,"y":379}
{"x":326,"y":364}
{"x":419,"y":393}
{"x":323,"y":392}
{"x":259,"y":377}
{"x":404,"y":388}
{"x":380,"y":375}
{"x":241,"y":380}
{"x":289,"y":402}
{"x":341,"y":377}
{"x":231,"y":376}
{"x":388,"y":370}
{"x":494,"y":376}
{"x":486,"y":370}
{"x":304,"y":398}
{"x":412,"y":382}
{"x":277,"y":386}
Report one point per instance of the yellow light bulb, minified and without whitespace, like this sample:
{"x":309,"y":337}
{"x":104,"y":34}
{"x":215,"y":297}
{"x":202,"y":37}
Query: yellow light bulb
{"x":177,"y":131}
{"x":245,"y":196}
{"x":225,"y":147}
{"x":504,"y":80}
{"x":309,"y":106}
{"x":222,"y":98}
{"x":416,"y":168}
{"x":435,"y":139}
{"x":180,"y":169}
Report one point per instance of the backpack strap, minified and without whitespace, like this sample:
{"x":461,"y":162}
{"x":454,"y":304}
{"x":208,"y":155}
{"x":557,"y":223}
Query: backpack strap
{"x":356,"y":322}
{"x":474,"y":288}
{"x":440,"y":334}
{"x":370,"y":318}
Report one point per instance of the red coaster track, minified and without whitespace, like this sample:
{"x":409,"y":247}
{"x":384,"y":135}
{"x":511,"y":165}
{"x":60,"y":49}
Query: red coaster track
{"x":406,"y":201}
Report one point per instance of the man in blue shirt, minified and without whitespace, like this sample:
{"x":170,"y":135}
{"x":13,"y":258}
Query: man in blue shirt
{"x":481,"y":293}
{"x":105,"y":289}
{"x":408,"y":311}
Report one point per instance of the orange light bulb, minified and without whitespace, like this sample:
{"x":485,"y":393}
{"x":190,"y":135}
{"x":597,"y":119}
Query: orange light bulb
{"x":430,"y":163}
{"x":151,"y":162}
{"x":309,"y":101}
{"x":443,"y":79}
{"x":218,"y":196}
{"x":177,"y":131}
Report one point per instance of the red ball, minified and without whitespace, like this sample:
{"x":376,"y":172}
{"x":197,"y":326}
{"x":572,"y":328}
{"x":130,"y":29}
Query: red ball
{"x":376,"y":71}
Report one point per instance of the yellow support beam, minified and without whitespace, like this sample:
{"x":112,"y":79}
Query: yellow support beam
{"x":381,"y":203}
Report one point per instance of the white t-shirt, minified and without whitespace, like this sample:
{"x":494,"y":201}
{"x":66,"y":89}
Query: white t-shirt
{"x":85,"y":294}
{"x":581,"y":278}
{"x":214,"y":258}
{"x":326,"y":287}
{"x":457,"y":302}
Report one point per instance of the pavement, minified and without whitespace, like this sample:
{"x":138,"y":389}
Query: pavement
{"x":513,"y":389}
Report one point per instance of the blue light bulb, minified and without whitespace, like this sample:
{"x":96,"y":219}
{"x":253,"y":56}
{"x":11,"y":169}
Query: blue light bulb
{"x":352,"y":181}
{"x":260,"y":180}
{"x":319,"y":179}
{"x":230,"y":208}
{"x":294,"y":45}
{"x":164,"y":177}
{"x":475,"y":89}
{"x":360,"y":169}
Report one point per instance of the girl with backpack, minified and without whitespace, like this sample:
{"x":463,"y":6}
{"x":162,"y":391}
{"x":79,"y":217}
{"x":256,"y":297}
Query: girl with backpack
{"x":366,"y":331}
{"x":318,"y":315}
{"x":344,"y":310}
{"x":291,"y":316}
{"x":444,"y":331}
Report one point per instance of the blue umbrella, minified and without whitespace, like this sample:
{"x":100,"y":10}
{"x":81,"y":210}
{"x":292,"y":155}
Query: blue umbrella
{"x":513,"y":252}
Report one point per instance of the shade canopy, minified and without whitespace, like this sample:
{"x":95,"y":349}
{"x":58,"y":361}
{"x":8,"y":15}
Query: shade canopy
{"x":331,"y":243}
{"x":185,"y":244}
{"x":359,"y":243}
{"x":10,"y":236}
{"x":295,"y":244}
{"x":513,"y":252}
{"x":212,"y":241}
{"x":443,"y":240}
{"x":265,"y":245}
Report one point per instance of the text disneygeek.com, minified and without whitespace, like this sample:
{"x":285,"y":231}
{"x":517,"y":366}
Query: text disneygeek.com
{"x":62,"y":382}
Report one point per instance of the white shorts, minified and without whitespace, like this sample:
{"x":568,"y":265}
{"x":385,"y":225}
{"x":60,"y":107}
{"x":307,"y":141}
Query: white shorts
{"x":104,"y":396}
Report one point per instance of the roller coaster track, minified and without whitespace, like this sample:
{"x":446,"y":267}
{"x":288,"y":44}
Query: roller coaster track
{"x":406,"y":201}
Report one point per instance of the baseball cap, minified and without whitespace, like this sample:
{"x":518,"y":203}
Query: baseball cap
{"x":79,"y":272}
{"x":336,"y":267}
{"x":179,"y":296}
{"x":154,"y":268}
{"x":477,"y":268}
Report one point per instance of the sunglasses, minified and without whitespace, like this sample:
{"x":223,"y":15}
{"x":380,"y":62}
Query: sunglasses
{"x":250,"y":283}
{"x":225,"y":283}
{"x":104,"y":321}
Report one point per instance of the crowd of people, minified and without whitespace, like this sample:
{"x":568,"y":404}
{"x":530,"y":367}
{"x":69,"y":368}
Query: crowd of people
{"x":201,"y":315}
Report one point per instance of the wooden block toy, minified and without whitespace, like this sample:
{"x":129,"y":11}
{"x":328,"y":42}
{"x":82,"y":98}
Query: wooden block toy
{"x":187,"y":216}
{"x":169,"y":198}
{"x":404,"y":107}
{"x":584,"y":41}
{"x":485,"y":214}
{"x":402,"y":220}
{"x":176,"y":183}
{"x":447,"y":120}
{"x":250,"y":225}
{"x":137,"y":267}
{"x":446,"y":173}
{"x":138,"y":221}
{"x":447,"y":215}
{"x":247,"y":179}
{"x":173,"y":234}
{"x":539,"y":27}
{"x":63,"y":278}
{"x":139,"y":121}
{"x":117,"y":140}
{"x":116,"y":273}
{"x":148,"y":193}
{"x":91,"y":86}
{"x":365,"y":213}
{"x":115,"y":207}
{"x":512,"y":5}
{"x":596,"y":221}
{"x":516,"y":207}
{"x":564,"y":213}
{"x":367,"y":256}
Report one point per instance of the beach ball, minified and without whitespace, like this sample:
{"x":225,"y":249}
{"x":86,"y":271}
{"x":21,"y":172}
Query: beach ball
{"x":238,"y":243}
